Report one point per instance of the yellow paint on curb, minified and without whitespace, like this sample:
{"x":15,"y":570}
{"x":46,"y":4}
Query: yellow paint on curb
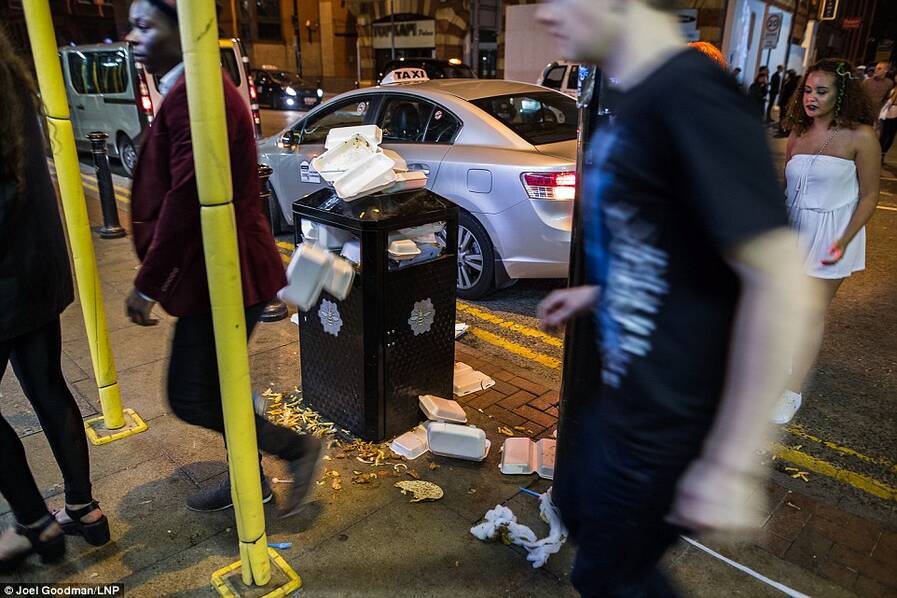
{"x":513,"y":326}
{"x":797,"y":430}
{"x":857,"y":480}
{"x":494,"y":339}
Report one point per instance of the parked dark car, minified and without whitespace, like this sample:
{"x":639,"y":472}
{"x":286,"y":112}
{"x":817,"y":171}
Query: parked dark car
{"x":283,"y":90}
{"x":435,"y":68}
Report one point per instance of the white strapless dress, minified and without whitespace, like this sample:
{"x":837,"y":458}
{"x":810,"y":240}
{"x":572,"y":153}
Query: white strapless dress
{"x":822,"y":195}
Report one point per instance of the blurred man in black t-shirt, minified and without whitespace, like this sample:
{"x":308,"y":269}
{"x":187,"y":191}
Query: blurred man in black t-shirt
{"x":697,"y":290}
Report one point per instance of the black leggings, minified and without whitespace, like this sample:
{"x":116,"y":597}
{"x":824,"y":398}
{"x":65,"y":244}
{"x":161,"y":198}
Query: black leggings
{"x":888,"y":132}
{"x":195,"y":394}
{"x":35,"y":360}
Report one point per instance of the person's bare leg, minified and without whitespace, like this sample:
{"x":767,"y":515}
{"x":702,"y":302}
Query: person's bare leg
{"x":801,"y":369}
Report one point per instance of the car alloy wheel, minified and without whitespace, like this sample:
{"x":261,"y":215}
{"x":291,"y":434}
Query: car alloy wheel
{"x":470,"y":259}
{"x":127,"y":154}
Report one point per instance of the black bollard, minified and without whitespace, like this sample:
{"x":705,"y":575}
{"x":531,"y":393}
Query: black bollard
{"x":111,"y":228}
{"x":276,"y":310}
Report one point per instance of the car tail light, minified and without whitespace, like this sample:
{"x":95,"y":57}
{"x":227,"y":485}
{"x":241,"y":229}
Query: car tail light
{"x":549,"y":185}
{"x":146,"y":102}
{"x":252,"y":93}
{"x":254,"y":107}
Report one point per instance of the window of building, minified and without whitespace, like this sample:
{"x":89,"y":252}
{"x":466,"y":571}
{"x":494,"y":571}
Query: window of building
{"x":268,"y":20}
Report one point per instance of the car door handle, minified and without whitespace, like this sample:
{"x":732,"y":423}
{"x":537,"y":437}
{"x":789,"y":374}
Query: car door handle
{"x":79,"y":107}
{"x":424,"y":168}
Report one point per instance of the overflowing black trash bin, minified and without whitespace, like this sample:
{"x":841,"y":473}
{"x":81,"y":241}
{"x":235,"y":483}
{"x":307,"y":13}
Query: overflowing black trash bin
{"x":366,"y":359}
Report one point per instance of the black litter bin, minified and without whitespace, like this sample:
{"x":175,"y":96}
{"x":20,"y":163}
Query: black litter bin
{"x":366,"y":359}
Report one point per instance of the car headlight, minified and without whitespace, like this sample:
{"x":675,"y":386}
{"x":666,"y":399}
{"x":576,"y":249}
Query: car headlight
{"x":290,"y":91}
{"x":320,"y":93}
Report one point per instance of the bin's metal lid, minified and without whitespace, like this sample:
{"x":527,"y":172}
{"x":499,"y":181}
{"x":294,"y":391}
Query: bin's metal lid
{"x":381,"y":211}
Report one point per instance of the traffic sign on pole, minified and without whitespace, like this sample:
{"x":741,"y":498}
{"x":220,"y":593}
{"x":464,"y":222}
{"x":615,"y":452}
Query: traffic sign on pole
{"x":771,"y":30}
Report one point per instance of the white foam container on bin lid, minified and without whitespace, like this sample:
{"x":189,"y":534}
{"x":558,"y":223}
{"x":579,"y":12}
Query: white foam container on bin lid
{"x":442,"y":410}
{"x":372,"y":133}
{"x":371,"y":172}
{"x":460,"y":442}
{"x":523,"y":456}
{"x":336,"y":161}
{"x":411,"y":444}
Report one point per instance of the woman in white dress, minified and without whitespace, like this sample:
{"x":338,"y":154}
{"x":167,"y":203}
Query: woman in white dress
{"x":832,"y":176}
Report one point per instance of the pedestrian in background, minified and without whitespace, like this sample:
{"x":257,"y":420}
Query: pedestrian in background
{"x":887,"y":118}
{"x":832,"y":176}
{"x":879,"y":85}
{"x":757,"y":91}
{"x":165,"y":210}
{"x":35,"y":287}
{"x":789,"y":86}
{"x":696,"y":290}
{"x":775,"y":84}
{"x":736,"y":74}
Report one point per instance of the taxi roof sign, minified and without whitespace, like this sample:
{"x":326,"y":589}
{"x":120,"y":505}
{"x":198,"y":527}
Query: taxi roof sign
{"x":405,"y":75}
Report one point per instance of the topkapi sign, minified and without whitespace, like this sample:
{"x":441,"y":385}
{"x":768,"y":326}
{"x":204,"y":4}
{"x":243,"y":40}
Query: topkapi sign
{"x":409,"y":34}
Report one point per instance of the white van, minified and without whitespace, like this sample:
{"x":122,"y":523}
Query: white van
{"x":562,"y":76}
{"x":108,"y":91}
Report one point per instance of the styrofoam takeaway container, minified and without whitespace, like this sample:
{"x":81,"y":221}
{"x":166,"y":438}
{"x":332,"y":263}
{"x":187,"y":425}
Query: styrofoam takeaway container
{"x":344,"y":156}
{"x":372,"y":133}
{"x":523,"y":456}
{"x":444,"y":410}
{"x":306,"y":274}
{"x":372,"y":172}
{"x":460,"y":442}
{"x":411,"y":444}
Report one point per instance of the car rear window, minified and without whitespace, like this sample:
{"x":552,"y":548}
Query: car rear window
{"x":539,"y":118}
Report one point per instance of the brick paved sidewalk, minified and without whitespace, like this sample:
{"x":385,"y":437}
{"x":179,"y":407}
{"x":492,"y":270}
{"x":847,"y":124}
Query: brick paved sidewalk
{"x":856,"y":553}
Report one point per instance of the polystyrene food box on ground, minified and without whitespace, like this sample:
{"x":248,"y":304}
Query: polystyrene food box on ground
{"x":523,"y":456}
{"x":439,"y":409}
{"x":460,"y":442}
{"x":467,"y":380}
{"x":412,"y":444}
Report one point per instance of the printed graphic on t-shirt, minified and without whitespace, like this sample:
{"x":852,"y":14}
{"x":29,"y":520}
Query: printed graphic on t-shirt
{"x":630,"y":268}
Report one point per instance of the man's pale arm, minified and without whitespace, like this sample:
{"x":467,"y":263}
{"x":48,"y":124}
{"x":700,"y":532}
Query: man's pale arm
{"x":776,"y":312}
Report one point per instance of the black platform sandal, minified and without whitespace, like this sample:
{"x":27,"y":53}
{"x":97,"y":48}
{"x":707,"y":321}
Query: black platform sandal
{"x":96,"y":533}
{"x":49,"y":550}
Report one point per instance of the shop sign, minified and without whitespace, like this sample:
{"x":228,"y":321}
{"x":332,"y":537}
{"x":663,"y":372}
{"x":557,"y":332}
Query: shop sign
{"x":409,"y":34}
{"x":828,"y":10}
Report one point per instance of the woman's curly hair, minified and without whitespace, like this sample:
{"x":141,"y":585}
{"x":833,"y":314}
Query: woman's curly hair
{"x":853,"y":106}
{"x":16,"y":88}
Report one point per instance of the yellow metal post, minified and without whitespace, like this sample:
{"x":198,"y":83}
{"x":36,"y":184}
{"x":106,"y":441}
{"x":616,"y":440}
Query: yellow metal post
{"x":199,"y":40}
{"x":68,"y":173}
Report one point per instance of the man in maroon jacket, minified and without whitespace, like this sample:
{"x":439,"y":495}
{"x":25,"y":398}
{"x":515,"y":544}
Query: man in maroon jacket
{"x":168,"y":238}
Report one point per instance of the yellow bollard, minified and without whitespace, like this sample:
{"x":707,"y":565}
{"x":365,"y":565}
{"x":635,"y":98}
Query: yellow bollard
{"x":199,"y":39}
{"x":68,"y":173}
